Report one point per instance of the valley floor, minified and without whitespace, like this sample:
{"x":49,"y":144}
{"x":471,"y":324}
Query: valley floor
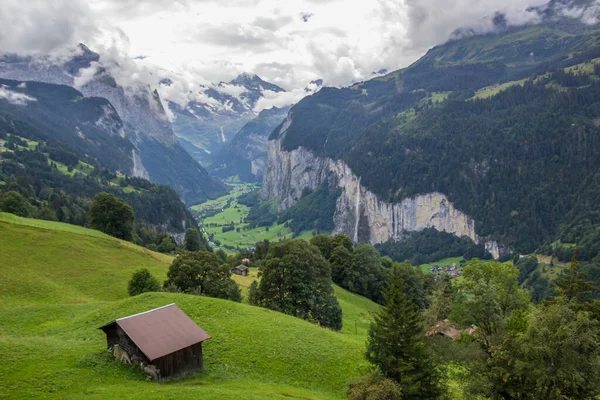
{"x":225,"y":211}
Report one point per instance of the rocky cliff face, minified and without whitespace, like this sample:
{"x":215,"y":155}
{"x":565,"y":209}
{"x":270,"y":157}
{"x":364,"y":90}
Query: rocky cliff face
{"x":359,"y":213}
{"x":157,"y":155}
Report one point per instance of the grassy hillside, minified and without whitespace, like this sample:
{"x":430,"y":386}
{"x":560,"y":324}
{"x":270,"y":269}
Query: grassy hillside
{"x":59,"y":283}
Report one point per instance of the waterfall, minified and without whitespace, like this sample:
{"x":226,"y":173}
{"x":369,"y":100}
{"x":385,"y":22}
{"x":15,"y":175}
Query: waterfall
{"x":222,"y":135}
{"x":357,"y":212}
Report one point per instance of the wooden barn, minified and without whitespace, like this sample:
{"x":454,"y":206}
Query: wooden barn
{"x":240,"y":270}
{"x":165,"y":342}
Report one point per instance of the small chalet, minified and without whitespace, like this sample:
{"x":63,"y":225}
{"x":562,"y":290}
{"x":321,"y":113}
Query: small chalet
{"x":165,"y":342}
{"x":240,"y":270}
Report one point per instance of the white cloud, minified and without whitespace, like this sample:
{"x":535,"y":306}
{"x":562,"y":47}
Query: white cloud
{"x":279,"y":99}
{"x":195,"y":42}
{"x":20,"y":99}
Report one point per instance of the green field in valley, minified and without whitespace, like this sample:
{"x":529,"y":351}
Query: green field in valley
{"x":441,"y":263}
{"x":225,"y":211}
{"x":61,"y":282}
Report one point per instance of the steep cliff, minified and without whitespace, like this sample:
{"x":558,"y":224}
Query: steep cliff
{"x":359,"y":213}
{"x":245,"y":155}
{"x":157,"y":155}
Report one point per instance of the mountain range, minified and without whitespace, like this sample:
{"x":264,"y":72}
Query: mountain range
{"x":492,"y":137}
{"x":154,"y":150}
{"x":204,"y":127}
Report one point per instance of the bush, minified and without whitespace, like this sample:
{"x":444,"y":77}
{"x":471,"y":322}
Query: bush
{"x":15,"y":203}
{"x":374,"y":387}
{"x":142,"y":281}
{"x":202,"y":273}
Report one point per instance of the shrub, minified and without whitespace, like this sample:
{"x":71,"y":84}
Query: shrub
{"x":374,"y":387}
{"x":142,"y":281}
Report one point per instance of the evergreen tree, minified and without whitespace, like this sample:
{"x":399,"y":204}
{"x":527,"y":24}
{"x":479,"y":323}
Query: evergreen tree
{"x":573,"y":283}
{"x":396,"y":345}
{"x":192,"y":240}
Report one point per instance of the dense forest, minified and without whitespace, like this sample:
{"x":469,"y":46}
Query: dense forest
{"x":521,"y":160}
{"x":430,"y":246}
{"x":58,"y":184}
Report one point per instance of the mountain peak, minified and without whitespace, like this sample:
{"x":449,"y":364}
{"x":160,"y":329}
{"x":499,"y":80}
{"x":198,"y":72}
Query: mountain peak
{"x":245,"y":79}
{"x":253,"y":82}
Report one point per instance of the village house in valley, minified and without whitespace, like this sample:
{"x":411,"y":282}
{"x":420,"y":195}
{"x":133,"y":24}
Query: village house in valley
{"x":165,"y":342}
{"x":240,"y":270}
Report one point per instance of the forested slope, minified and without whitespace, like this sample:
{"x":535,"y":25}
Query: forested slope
{"x":504,"y":124}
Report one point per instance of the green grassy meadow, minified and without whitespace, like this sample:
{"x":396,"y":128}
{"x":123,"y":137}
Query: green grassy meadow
{"x":441,"y":263}
{"x":227,"y":211}
{"x":61,"y":282}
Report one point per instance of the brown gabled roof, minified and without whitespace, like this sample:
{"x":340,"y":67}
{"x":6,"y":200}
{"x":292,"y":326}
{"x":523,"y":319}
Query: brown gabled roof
{"x":161,"y":331}
{"x":241,"y":267}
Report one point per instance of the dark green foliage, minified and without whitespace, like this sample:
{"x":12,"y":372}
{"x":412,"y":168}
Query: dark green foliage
{"x":142,"y":281}
{"x":14,"y":203}
{"x":296,"y":280}
{"x":374,"y":387}
{"x":59,"y":112}
{"x":430,"y":246}
{"x":167,"y":245}
{"x":575,"y":285}
{"x":555,"y":356}
{"x":530,"y":277}
{"x":519,"y":177}
{"x":111,"y":215}
{"x":441,"y":302}
{"x":68,"y":198}
{"x":192,"y":240}
{"x":361,"y":270}
{"x":204,"y":274}
{"x":487,"y":296}
{"x":262,"y":213}
{"x":314,"y":211}
{"x":396,"y":347}
{"x":173,"y":166}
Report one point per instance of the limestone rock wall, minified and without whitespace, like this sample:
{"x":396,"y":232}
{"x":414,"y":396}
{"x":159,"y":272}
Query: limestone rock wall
{"x":359,"y":213}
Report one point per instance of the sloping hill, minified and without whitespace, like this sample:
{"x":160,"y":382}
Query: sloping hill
{"x":59,"y":283}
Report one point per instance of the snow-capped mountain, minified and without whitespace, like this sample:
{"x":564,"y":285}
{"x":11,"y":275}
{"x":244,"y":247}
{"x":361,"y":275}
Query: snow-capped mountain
{"x":156,"y":154}
{"x":204,"y":126}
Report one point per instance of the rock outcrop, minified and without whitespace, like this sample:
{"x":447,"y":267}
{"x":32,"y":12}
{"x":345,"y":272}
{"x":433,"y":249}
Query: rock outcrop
{"x":359,"y":213}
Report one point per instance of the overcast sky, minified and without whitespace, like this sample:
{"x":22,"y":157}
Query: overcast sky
{"x":286,"y":42}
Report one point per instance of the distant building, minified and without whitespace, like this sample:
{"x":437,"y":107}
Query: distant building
{"x":165,"y":342}
{"x":446,"y":328}
{"x":240,"y":270}
{"x":1,"y":143}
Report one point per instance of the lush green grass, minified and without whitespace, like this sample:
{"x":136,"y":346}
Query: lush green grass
{"x":441,"y":263}
{"x":50,"y":262}
{"x":57,"y":351}
{"x":234,"y":214}
{"x":60,"y":283}
{"x":493,"y":90}
{"x":356,"y":310}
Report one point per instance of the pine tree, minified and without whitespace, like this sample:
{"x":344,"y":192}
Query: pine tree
{"x":396,"y":346}
{"x":573,"y":284}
